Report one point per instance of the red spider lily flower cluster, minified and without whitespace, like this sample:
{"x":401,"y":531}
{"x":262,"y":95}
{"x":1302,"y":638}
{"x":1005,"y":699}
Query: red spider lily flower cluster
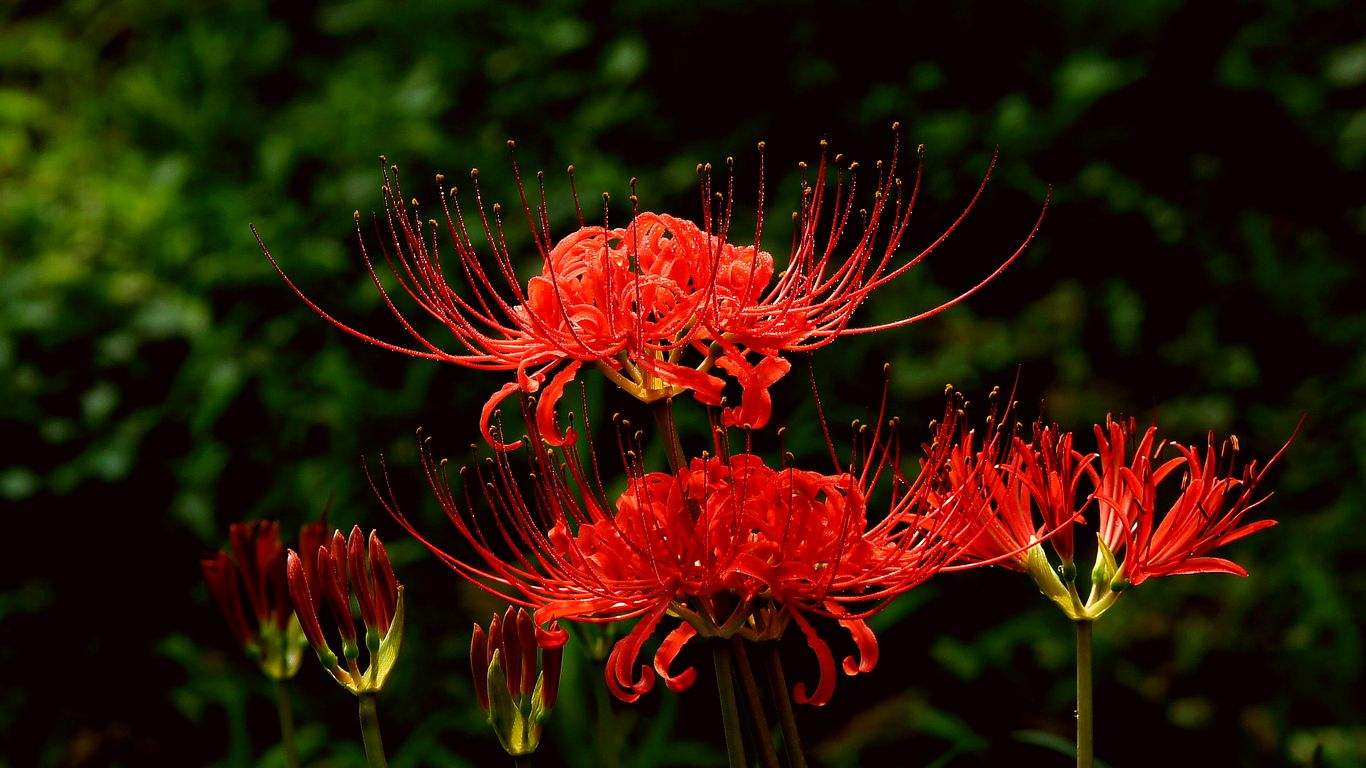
{"x":1034,"y":491}
{"x":256,"y":565}
{"x":334,"y":572}
{"x":633,"y":301}
{"x":515,"y":680}
{"x":728,"y":544}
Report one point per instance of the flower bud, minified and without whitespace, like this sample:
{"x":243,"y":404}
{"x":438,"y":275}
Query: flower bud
{"x":270,"y":635}
{"x":347,"y":567}
{"x":515,"y":681}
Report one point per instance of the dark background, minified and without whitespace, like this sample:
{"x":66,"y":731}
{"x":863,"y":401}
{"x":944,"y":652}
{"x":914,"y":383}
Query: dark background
{"x":1202,"y":262}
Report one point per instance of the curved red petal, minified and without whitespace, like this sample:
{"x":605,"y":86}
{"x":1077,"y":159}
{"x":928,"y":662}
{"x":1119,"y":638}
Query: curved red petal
{"x":756,"y":405}
{"x":545,"y":407}
{"x":705,"y":387}
{"x":486,"y":416}
{"x":825,"y":662}
{"x":668,"y":651}
{"x":867,"y":647}
{"x":622,"y":660}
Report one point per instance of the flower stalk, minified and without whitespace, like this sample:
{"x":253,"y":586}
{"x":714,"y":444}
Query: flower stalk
{"x":663,"y":411}
{"x":285,"y":708}
{"x":1085,"y":703}
{"x":754,"y":703}
{"x":782,"y":701}
{"x":369,"y":731}
{"x":730,"y":707}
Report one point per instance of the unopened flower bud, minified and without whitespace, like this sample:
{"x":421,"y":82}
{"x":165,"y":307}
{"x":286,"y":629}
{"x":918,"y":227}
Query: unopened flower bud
{"x":263,"y":624}
{"x":515,"y":681}
{"x":347,"y":567}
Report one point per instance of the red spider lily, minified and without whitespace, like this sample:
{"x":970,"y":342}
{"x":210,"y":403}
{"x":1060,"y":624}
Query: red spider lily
{"x":343,"y":568}
{"x":257,"y":566}
{"x":1209,"y":510}
{"x":515,"y":687}
{"x":633,"y":301}
{"x":728,"y":544}
{"x":1030,"y":487}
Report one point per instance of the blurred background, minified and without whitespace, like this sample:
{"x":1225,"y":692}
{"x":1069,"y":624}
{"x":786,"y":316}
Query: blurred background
{"x":1202,"y":262}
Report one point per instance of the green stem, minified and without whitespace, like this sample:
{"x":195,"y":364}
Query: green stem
{"x":1085,"y":704}
{"x":609,"y":739}
{"x":668,"y":429}
{"x":369,"y":731}
{"x":730,"y":709}
{"x":754,"y":703}
{"x":286,"y":710}
{"x":782,"y":701}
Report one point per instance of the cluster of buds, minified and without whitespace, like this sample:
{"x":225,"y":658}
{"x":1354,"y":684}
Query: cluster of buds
{"x":334,"y":572}
{"x":514,"y":687}
{"x":271,"y":635}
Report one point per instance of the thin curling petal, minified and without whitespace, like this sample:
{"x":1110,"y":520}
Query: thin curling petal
{"x":545,"y":408}
{"x":621,"y":662}
{"x":304,"y":606}
{"x":486,"y":418}
{"x":756,"y":405}
{"x":479,"y":666}
{"x":866,"y":642}
{"x":705,"y":387}
{"x":825,"y":662}
{"x":552,"y":636}
{"x":1208,"y":565}
{"x":668,"y":651}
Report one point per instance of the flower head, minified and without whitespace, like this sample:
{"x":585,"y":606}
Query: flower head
{"x":727,"y":543}
{"x":333,"y":573}
{"x":1212,"y":501}
{"x":515,"y":681}
{"x":659,"y":305}
{"x":265,"y":626}
{"x":1031,"y":488}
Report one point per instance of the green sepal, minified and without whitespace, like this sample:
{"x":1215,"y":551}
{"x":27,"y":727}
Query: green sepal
{"x":279,"y":655}
{"x":518,"y":731}
{"x":1103,"y":573}
{"x":538,"y":708}
{"x":383,"y":656}
{"x":1046,"y":579}
{"x":383,"y":660}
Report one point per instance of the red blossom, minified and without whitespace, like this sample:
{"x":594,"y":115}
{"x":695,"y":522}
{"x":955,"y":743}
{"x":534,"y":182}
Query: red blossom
{"x":1031,"y":489}
{"x":727,"y":543}
{"x":657,"y":305}
{"x":1209,"y":511}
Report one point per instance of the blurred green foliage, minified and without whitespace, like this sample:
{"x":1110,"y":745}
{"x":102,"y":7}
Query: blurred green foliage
{"x":1203,"y":261}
